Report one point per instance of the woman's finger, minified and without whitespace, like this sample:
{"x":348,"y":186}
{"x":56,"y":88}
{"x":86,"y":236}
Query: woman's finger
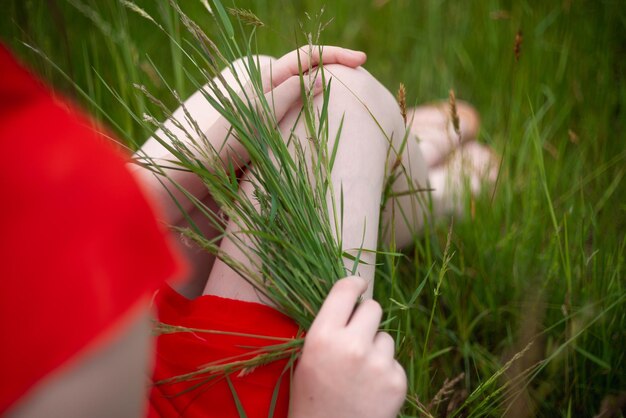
{"x":365,"y":320}
{"x":384,"y":345}
{"x":339,"y":304}
{"x":309,"y":57}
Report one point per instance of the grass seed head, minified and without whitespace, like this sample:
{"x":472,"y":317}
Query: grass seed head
{"x":246,"y":16}
{"x":519,"y":38}
{"x":454,"y":115}
{"x":402,"y":101}
{"x":444,"y":393}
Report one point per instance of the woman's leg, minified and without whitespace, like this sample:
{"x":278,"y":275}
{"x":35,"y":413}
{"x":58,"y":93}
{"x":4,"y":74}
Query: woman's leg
{"x":371,"y":119}
{"x":372,"y":135}
{"x":455,"y":163}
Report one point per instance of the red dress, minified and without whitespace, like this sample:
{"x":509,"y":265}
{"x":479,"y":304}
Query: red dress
{"x":80,"y":248}
{"x":185,"y":352}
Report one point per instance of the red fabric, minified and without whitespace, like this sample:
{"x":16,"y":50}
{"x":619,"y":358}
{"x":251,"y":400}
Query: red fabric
{"x":185,"y":352}
{"x":79,"y":243}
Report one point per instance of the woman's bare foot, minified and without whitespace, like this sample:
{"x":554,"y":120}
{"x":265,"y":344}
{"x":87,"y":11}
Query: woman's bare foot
{"x":432,"y":125}
{"x":456,"y":162}
{"x":467,"y":169}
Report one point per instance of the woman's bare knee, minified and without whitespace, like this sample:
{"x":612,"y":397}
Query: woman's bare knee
{"x":373,"y":97}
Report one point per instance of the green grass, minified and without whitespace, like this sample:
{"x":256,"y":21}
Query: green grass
{"x":541,"y":259}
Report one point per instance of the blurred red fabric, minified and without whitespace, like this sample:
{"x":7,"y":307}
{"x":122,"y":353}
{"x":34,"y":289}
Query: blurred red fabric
{"x":79,"y":242}
{"x":183,"y":352}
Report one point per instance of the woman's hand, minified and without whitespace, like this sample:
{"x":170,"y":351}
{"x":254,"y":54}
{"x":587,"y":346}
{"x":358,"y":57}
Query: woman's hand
{"x":310,"y":57}
{"x":347,"y":368}
{"x":282,"y":89}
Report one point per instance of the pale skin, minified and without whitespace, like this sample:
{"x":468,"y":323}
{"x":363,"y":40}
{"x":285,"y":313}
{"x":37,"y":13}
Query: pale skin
{"x":347,"y":366}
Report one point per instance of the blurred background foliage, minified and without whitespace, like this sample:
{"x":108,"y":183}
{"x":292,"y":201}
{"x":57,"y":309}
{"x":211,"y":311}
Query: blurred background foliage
{"x":541,"y":258}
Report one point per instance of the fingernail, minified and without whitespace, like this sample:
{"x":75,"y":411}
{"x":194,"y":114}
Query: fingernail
{"x":357,"y":54}
{"x":360,"y":280}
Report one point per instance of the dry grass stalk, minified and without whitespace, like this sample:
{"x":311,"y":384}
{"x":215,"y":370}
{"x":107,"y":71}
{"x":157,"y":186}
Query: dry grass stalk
{"x":454,"y":115}
{"x":519,"y":38}
{"x":424,"y":412}
{"x":230,"y":365}
{"x":161,"y":328}
{"x":612,"y":406}
{"x":521,"y":405}
{"x":457,"y":399}
{"x":472,"y":207}
{"x":246,"y":16}
{"x":141,"y":12}
{"x":444,"y":393}
{"x":213,"y":53}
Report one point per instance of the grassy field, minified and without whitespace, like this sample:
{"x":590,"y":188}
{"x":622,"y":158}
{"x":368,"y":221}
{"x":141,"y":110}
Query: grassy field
{"x":540,"y":260}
